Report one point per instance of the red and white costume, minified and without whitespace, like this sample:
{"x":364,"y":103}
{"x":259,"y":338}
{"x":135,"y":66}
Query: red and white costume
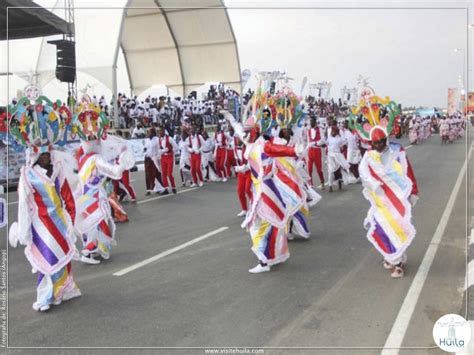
{"x":124,"y":184}
{"x":231,"y":159}
{"x":315,"y":153}
{"x":220,"y":140}
{"x":244,"y":180}
{"x":167,"y":147}
{"x":195,"y":144}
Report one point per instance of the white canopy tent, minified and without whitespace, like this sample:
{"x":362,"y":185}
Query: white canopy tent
{"x":130,"y":46}
{"x":186,"y":47}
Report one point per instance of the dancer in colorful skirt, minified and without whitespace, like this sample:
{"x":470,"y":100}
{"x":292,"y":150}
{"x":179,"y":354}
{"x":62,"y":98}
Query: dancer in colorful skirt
{"x":291,"y":176}
{"x":444,"y":130}
{"x":452,"y":129}
{"x":413,"y":130}
{"x":269,"y":215}
{"x":94,"y":220}
{"x":46,"y":206}
{"x":389,"y":186}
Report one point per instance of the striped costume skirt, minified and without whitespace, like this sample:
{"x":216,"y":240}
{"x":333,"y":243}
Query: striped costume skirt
{"x":299,"y":223}
{"x":55,"y":288}
{"x":269,"y":243}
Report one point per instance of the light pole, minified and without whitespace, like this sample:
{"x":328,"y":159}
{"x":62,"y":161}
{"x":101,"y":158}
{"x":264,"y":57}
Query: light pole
{"x":464,"y":85}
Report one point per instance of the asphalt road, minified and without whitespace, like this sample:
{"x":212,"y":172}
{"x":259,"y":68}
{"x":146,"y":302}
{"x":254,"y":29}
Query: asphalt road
{"x":332,"y":292}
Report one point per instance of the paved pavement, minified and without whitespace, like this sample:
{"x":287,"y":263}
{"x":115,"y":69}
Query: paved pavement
{"x":332,"y":292}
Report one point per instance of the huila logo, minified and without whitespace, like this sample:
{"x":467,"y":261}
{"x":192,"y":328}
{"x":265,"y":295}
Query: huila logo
{"x":452,"y":333}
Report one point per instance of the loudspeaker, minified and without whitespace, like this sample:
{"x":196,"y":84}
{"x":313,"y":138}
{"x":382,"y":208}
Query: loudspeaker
{"x":65,"y":60}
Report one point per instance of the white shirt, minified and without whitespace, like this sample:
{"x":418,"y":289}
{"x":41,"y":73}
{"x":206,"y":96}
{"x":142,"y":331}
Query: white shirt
{"x":230,"y":142}
{"x":352,"y":140}
{"x":184,"y":150}
{"x":335,"y":144}
{"x":163,"y":147}
{"x":208,"y":146}
{"x":151,"y":146}
{"x":196,"y":141}
{"x":154,"y":114}
{"x":137,"y":131}
{"x":132,"y":113}
{"x":219,"y":138}
{"x":312,"y":132}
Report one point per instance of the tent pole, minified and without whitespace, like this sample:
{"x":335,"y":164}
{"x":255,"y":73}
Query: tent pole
{"x":114,"y":66}
{"x":115,"y":96}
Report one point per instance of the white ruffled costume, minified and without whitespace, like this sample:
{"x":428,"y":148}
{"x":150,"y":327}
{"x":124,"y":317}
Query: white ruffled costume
{"x":94,"y":221}
{"x":46,"y":213}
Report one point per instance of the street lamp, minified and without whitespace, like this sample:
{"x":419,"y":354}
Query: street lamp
{"x":464,"y":85}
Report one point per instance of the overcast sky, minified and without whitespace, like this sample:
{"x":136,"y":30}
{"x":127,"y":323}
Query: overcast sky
{"x":407,"y":54}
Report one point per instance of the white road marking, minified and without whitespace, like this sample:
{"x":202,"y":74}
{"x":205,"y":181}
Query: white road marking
{"x":171,"y":194}
{"x":408,"y":147}
{"x":169,"y":252}
{"x":12,"y":203}
{"x":395,"y":338}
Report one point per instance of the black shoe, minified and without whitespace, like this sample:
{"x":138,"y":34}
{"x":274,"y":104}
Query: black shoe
{"x":164,"y":193}
{"x":174,"y":191}
{"x":148,"y":193}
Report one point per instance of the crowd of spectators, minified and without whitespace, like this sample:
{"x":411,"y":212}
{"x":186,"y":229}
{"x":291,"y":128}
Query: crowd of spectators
{"x":168,"y":112}
{"x":319,"y":107}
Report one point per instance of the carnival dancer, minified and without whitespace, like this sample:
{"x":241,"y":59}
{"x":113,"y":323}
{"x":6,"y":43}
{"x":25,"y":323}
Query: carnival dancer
{"x":452,"y":129}
{"x":344,"y":133}
{"x":289,"y":178}
{"x":244,"y":180}
{"x":299,"y":137}
{"x":220,"y":153}
{"x":268,"y":217}
{"x":421,"y":130}
{"x":316,"y":141}
{"x":444,"y":130}
{"x":338,"y":167}
{"x":117,"y":211}
{"x":46,"y":206}
{"x":353,"y":151}
{"x":413,"y":131}
{"x":195,"y":146}
{"x":123,"y":188}
{"x":230,"y":161}
{"x":152,"y":163}
{"x":94,"y":221}
{"x":167,"y":147}
{"x":184,"y":159}
{"x":207,"y":158}
{"x":389,"y":186}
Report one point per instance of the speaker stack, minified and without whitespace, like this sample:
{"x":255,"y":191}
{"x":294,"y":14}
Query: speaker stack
{"x":65,"y":60}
